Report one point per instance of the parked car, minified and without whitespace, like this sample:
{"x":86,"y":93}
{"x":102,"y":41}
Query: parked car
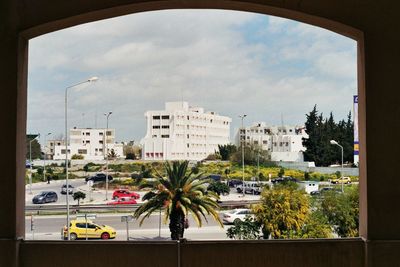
{"x":125,"y":193}
{"x":324,"y":190}
{"x":123,"y":201}
{"x":99,"y":177}
{"x":284,"y":179}
{"x":236,"y":215}
{"x":79,"y":229}
{"x":45,"y":197}
{"x":28,"y":164}
{"x":253,"y":188}
{"x":64,"y":189}
{"x":234,"y":183}
{"x":341,"y":180}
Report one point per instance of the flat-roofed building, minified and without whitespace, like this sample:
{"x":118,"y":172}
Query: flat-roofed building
{"x":284,"y":143}
{"x":88,"y":142}
{"x":182,"y":132}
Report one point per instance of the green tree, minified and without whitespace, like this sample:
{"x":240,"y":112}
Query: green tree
{"x":112,"y":154}
{"x":282,"y":212}
{"x":281,"y":172}
{"x":320,"y":131}
{"x":248,"y":229}
{"x":342,"y":211}
{"x":77,"y":156}
{"x":252,"y":155}
{"x":35,"y":148}
{"x":218,"y":188}
{"x":179,"y":193}
{"x":78,"y":196}
{"x":226,"y":151}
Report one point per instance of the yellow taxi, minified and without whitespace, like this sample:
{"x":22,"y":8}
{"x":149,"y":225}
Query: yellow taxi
{"x":87,"y":229}
{"x":341,"y":180}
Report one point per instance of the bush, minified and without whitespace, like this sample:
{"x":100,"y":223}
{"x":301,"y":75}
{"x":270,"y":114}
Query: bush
{"x":77,"y":156}
{"x":219,"y":188}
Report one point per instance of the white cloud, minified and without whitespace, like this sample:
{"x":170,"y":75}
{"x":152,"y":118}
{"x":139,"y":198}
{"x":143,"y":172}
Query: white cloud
{"x":206,"y":57}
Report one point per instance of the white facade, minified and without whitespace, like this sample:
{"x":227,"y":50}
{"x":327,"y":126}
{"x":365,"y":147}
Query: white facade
{"x":181,"y":132}
{"x":284,"y":143}
{"x":90,"y":143}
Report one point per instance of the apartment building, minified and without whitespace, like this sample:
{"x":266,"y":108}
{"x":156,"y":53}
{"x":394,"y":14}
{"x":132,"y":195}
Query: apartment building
{"x":284,"y":143}
{"x":182,"y":132}
{"x":90,"y":143}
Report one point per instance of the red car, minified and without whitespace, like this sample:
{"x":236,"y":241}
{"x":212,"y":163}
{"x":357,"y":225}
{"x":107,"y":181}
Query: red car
{"x":125,"y":193}
{"x":122,"y":201}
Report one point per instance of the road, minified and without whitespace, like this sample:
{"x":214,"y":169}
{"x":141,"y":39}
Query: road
{"x":49,"y":228}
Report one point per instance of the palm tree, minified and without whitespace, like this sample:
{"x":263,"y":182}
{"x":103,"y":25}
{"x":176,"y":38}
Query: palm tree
{"x":179,"y":193}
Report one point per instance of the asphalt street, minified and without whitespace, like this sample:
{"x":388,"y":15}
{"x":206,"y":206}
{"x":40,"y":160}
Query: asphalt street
{"x":49,"y":228}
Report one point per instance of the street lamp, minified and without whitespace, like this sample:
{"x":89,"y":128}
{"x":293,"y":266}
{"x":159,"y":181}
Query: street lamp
{"x":93,"y":79}
{"x":106,"y":152}
{"x":30,"y":163}
{"x":333,"y":142}
{"x":241,"y":141}
{"x":44,"y":156}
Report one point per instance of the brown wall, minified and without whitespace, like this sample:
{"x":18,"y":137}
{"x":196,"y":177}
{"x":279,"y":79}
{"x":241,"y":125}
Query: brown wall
{"x":373,"y":23}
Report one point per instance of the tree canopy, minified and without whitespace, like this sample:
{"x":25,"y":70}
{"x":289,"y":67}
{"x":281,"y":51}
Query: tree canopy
{"x":179,"y":194}
{"x":320,"y":131}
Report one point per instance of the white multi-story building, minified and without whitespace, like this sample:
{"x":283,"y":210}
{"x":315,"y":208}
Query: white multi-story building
{"x":181,"y":132}
{"x":90,"y":143}
{"x":284,"y":143}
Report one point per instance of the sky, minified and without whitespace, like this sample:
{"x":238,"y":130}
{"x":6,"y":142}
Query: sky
{"x":272,"y":69}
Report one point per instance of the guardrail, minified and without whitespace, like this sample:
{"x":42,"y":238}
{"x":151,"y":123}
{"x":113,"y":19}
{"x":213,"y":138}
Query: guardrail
{"x":100,"y":207}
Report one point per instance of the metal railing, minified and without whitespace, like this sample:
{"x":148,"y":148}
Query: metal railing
{"x":104,"y":207}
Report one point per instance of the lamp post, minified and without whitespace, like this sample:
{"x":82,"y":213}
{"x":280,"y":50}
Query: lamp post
{"x":106,"y":151}
{"x":333,"y":142}
{"x":242,"y":117}
{"x":93,"y":79}
{"x":44,"y":156}
{"x":30,"y":164}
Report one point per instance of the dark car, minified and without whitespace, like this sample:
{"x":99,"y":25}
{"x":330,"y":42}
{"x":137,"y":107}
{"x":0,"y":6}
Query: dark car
{"x":324,"y":190}
{"x":64,"y":189}
{"x":234,"y":183}
{"x":284,"y":180}
{"x":45,"y":197}
{"x":99,"y":177}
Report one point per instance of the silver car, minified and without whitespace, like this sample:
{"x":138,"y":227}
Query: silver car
{"x":64,"y":189}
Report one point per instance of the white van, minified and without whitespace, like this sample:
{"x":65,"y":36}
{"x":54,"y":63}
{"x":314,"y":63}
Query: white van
{"x":253,"y":188}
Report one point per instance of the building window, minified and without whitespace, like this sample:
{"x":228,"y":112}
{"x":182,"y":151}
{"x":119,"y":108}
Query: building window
{"x":165,"y":126}
{"x":265,"y":142}
{"x":156,"y":126}
{"x":82,"y":151}
{"x":63,"y":151}
{"x":187,"y":145}
{"x":156,"y":117}
{"x":87,"y":142}
{"x":154,"y":136}
{"x":255,"y":142}
{"x":87,"y":134}
{"x":109,"y":133}
{"x":101,"y":142}
{"x":165,"y":136}
{"x":187,"y":117}
{"x":100,"y":150}
{"x":101,"y":133}
{"x":165,"y":117}
{"x":187,"y":136}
